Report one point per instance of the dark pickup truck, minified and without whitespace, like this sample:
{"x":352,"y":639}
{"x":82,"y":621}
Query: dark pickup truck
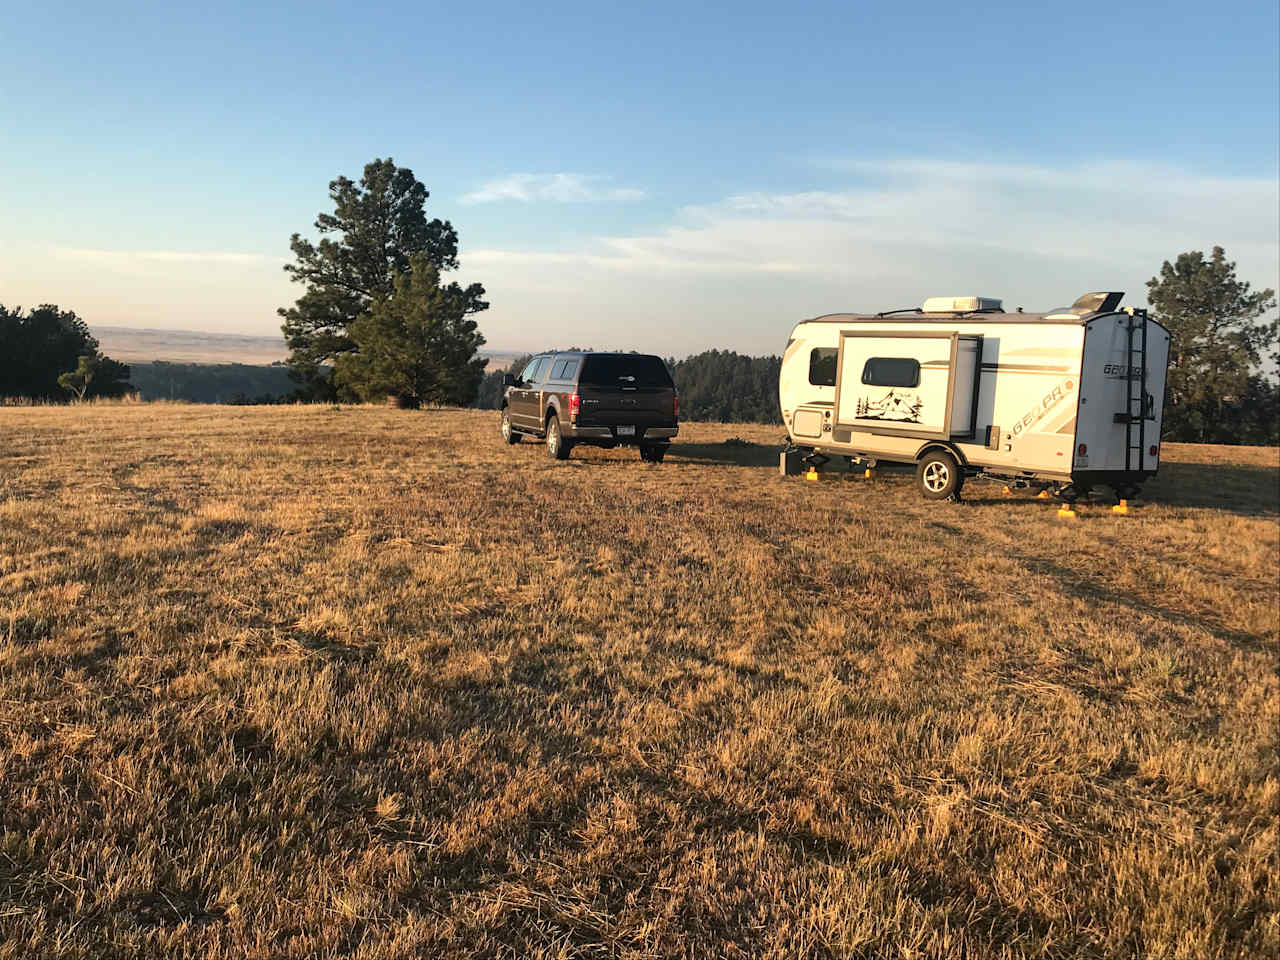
{"x":597,"y":399}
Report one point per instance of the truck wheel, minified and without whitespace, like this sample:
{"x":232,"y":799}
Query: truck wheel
{"x":557,"y":446}
{"x":939,"y":476}
{"x":508,"y":434}
{"x":653,"y":454}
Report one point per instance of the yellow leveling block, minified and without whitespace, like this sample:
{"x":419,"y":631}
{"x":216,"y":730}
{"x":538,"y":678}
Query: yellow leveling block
{"x":1121,"y":507}
{"x":812,"y":475}
{"x":1066,"y":513}
{"x":1042,"y":495}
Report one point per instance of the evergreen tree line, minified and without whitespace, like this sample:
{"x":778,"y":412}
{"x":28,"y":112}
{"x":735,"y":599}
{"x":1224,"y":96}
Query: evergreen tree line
{"x":48,"y":354}
{"x":728,"y":387}
{"x":717,"y":385}
{"x":213,"y":382}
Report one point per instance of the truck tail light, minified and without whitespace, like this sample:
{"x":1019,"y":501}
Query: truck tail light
{"x":575,"y":405}
{"x":1083,"y":450}
{"x":1155,"y":450}
{"x":675,"y":405}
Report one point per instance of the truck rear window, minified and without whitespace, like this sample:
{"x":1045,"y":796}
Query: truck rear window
{"x":625,"y":370}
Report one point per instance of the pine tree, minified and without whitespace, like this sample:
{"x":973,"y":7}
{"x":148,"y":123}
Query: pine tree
{"x":1218,"y":343}
{"x":418,"y":344}
{"x":377,"y":226}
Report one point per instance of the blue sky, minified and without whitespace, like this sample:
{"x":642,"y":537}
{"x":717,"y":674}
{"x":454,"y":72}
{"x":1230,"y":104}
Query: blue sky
{"x":657,"y":176}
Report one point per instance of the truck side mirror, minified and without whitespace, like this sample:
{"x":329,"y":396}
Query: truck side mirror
{"x":508,"y":380}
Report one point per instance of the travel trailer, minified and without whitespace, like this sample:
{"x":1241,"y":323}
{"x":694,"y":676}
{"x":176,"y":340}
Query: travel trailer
{"x":1066,"y":400}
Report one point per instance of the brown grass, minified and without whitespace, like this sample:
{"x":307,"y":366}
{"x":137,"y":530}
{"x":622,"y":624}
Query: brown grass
{"x":313,"y":682}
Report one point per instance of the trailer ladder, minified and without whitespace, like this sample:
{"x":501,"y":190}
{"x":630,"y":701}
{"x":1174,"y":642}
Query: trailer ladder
{"x":1137,"y":406}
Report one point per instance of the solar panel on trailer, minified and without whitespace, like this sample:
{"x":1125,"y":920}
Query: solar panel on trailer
{"x":1101,"y":302}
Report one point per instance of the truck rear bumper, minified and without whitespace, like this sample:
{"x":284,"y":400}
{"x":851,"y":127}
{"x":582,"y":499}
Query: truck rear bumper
{"x":610,"y":435}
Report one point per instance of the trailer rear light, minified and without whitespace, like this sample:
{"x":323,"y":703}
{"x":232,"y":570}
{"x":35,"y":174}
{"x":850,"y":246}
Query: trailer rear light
{"x":575,"y":405}
{"x":1083,"y":450}
{"x":675,"y":405}
{"x":1155,"y":450}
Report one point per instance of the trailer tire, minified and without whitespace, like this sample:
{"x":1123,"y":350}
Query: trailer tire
{"x":939,"y":476}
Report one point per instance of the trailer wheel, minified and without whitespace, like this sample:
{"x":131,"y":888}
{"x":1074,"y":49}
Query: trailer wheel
{"x":939,"y":476}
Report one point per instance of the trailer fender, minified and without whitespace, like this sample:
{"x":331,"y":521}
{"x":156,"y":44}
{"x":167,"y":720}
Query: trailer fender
{"x":950,"y":448}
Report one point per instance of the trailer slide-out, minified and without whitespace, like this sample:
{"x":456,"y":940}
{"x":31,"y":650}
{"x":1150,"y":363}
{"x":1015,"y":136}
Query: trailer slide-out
{"x":1066,"y":400}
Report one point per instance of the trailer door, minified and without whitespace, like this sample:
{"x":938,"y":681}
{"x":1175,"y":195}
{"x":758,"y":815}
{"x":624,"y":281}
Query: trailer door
{"x":965,"y":379}
{"x":907,"y":383}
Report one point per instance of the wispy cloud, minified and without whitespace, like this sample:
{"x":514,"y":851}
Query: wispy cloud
{"x":1114,"y":215}
{"x":552,"y":188}
{"x":163,"y":256}
{"x":740,"y":270}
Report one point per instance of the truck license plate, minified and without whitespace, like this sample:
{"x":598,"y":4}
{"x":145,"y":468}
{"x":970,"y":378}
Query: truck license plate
{"x":626,"y":431}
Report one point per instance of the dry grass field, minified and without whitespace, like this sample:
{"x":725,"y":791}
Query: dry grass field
{"x":359,"y":682}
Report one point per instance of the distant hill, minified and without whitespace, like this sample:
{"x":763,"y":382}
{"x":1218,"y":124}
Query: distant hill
{"x":188,"y":346}
{"x":196,"y":346}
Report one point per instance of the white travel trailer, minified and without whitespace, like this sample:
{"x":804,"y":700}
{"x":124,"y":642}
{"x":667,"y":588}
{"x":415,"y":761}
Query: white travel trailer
{"x":1066,"y":400}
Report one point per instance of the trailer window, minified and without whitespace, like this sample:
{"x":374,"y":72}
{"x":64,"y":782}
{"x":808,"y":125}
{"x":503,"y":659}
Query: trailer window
{"x":822,"y":366}
{"x":891,"y":372}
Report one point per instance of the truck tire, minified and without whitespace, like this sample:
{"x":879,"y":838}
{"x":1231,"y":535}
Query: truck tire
{"x":938,"y":475}
{"x":557,"y":446}
{"x":509,"y":435}
{"x":654,"y":453}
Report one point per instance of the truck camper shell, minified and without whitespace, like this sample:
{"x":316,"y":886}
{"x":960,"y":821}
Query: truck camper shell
{"x":1068,"y":399}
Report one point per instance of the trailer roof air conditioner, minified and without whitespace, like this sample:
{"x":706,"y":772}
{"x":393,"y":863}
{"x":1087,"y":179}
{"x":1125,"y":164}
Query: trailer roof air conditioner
{"x":961,"y":305}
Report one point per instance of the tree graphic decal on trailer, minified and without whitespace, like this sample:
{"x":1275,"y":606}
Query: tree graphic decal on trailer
{"x":894,"y":405}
